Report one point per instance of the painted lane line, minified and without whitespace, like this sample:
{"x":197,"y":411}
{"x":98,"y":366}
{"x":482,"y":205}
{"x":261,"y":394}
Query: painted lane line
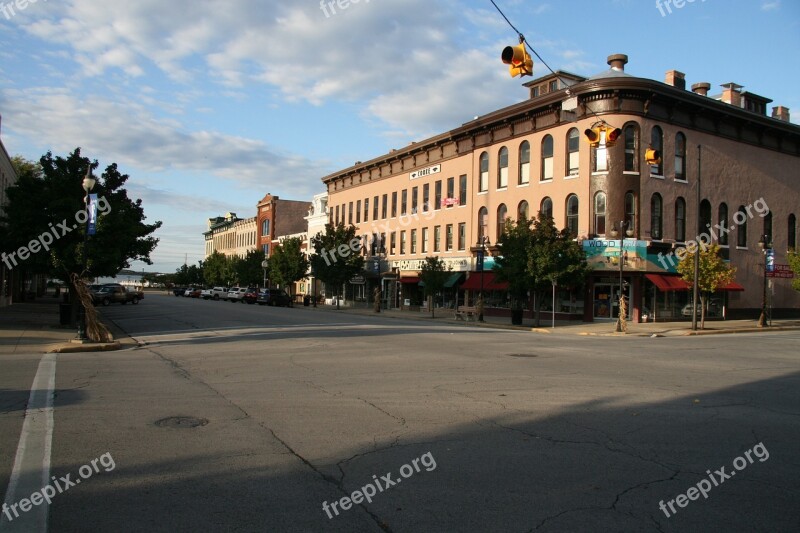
{"x":31,"y":469}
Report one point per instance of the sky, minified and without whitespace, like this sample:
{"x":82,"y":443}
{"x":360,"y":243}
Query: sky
{"x":209,"y":105}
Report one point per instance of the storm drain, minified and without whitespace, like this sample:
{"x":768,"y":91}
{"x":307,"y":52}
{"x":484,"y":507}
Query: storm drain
{"x":523,"y":355}
{"x":181,"y":422}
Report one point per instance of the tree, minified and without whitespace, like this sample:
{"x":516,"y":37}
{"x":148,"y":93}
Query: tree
{"x":434,"y":275}
{"x":337,"y":256}
{"x":288,"y":262}
{"x":45,"y":220}
{"x":190,"y":274}
{"x":554,"y":259}
{"x":216,"y":271}
{"x":794,"y":264}
{"x":248,"y":269}
{"x":512,"y":265}
{"x":714,"y":273}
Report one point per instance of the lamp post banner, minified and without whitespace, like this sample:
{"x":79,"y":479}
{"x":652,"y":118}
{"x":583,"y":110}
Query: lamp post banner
{"x":91,"y":228}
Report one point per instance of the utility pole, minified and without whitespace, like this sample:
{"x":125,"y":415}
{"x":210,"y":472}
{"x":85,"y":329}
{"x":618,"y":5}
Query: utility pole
{"x":695,"y":286}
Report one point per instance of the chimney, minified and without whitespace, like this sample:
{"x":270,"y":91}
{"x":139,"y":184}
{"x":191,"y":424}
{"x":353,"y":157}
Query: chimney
{"x":781,"y":113}
{"x":732,"y":94}
{"x":701,"y":88}
{"x":676,"y":78}
{"x":617,"y":62}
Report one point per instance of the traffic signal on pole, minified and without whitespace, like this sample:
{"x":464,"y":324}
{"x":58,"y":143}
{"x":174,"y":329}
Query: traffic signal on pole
{"x":593,"y":136}
{"x":518,"y":59}
{"x":612,"y":134}
{"x":653,"y":157}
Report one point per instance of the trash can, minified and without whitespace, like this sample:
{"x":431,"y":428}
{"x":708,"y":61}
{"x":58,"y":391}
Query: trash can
{"x":306,"y":301}
{"x":64,"y":314}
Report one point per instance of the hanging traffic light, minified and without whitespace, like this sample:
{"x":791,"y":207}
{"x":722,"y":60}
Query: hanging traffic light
{"x":520,"y":63}
{"x":652,"y":157}
{"x":612,"y":134}
{"x":593,"y":135}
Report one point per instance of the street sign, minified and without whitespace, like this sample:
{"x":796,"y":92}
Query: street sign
{"x":479,"y":263}
{"x":780,"y":271}
{"x":358,"y":279}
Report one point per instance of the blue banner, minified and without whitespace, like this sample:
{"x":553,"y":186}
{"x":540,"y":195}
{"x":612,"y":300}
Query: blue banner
{"x":91,"y":227}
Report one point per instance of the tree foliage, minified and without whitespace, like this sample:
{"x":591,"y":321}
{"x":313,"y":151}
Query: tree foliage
{"x":512,"y":265}
{"x":288,"y":262}
{"x":794,"y":263}
{"x":714,"y":273}
{"x":248,"y":270}
{"x":434,"y":275}
{"x":337,"y":256}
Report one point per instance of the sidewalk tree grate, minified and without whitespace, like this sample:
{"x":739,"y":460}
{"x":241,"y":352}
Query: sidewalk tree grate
{"x":528,"y":355}
{"x":181,"y":422}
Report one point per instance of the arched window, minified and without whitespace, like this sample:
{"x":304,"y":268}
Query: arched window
{"x":656,"y":216}
{"x":546,"y":207}
{"x":600,"y":213}
{"x":524,"y":163}
{"x":631,"y":152}
{"x":572,"y":215}
{"x":657,"y":143}
{"x":722,"y":222}
{"x":768,"y":227}
{"x":680,"y":220}
{"x":792,"y":233}
{"x":502,"y":215}
{"x":573,"y":150}
{"x":502,"y":168}
{"x":680,"y":157}
{"x":483,"y":223}
{"x":523,"y":210}
{"x":740,"y":219}
{"x":547,"y":158}
{"x":483,"y":186}
{"x":705,"y":218}
{"x":630,"y":212}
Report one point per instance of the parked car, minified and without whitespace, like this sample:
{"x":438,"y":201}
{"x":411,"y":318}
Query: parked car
{"x":115,"y":294}
{"x":251,"y":295}
{"x":274,"y":297}
{"x":178,"y":291}
{"x":713,"y":308}
{"x":194,"y":292}
{"x":236,"y":294}
{"x":219,"y":292}
{"x":205,"y":294}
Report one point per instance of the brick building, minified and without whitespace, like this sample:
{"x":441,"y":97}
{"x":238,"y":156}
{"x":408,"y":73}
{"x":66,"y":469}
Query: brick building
{"x":278,"y":218}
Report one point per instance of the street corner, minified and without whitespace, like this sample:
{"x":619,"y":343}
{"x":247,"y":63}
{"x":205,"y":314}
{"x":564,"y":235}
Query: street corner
{"x":85,"y":347}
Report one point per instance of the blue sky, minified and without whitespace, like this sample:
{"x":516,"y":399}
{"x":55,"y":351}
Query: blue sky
{"x":210,"y":104}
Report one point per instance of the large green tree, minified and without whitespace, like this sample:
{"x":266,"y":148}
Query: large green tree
{"x":511,"y":265}
{"x":714,"y":273}
{"x":248,"y":269}
{"x":554,"y":258}
{"x":218,"y":270}
{"x":337,"y":256}
{"x":288,"y":262}
{"x":434,"y":275}
{"x":44,"y":221}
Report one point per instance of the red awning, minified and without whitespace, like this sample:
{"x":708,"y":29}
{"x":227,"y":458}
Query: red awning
{"x":732,"y":286}
{"x":473,"y":283}
{"x":668,"y":283}
{"x":410,"y":280}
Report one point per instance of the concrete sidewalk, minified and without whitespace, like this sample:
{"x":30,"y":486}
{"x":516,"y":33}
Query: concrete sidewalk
{"x":604,"y":328}
{"x":34,"y":327}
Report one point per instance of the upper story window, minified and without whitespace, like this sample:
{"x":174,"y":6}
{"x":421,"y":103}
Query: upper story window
{"x":502,"y":168}
{"x":265,"y":225}
{"x":791,"y":234}
{"x":394,"y":204}
{"x":657,"y":143}
{"x":524,"y":163}
{"x":483,"y":223}
{"x":680,"y":156}
{"x":600,"y":213}
{"x":404,"y":202}
{"x":705,"y":218}
{"x":740,"y":218}
{"x":462,"y":189}
{"x":630,"y":211}
{"x":722,"y":218}
{"x":631,"y":133}
{"x":451,"y":188}
{"x":502,"y":214}
{"x":547,"y":158}
{"x":572,"y":215}
{"x":656,"y":216}
{"x":546,"y":207}
{"x":680,"y":219}
{"x":483,"y":185}
{"x":573,"y":151}
{"x":523,"y":210}
{"x":768,"y":228}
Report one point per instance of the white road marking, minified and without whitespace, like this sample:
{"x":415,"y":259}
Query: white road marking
{"x":31,"y":470}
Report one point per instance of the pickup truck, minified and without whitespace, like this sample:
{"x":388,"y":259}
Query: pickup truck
{"x":115,"y":294}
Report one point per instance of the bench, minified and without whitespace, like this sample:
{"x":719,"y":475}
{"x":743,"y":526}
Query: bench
{"x":466,"y":313}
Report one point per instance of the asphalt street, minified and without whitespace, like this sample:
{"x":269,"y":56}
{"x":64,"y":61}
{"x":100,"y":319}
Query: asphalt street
{"x":234,"y":417}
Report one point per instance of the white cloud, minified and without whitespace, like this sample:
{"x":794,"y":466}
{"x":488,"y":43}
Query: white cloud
{"x":770,"y":6}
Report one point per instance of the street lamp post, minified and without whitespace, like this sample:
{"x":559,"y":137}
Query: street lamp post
{"x":623,"y":230}
{"x":265,"y":265}
{"x":483,"y":241}
{"x":88,"y":184}
{"x":765,"y":247}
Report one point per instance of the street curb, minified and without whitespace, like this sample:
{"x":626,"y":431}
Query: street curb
{"x":86,"y":348}
{"x":741,"y":330}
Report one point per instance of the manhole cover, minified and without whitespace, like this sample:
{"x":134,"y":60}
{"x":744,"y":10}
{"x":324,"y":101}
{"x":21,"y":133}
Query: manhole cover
{"x":181,"y":422}
{"x":523,"y":355}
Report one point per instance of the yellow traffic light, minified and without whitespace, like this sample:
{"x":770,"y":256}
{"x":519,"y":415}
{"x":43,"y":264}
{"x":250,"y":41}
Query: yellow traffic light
{"x":612,"y":134}
{"x":593,"y":136}
{"x":653,"y":157}
{"x":520,"y":62}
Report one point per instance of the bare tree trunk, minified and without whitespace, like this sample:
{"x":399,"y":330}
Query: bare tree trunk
{"x":430,"y":305}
